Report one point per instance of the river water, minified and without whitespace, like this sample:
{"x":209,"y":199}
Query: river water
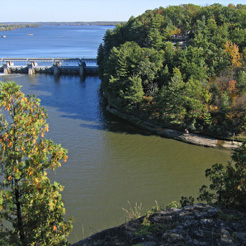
{"x":110,"y":162}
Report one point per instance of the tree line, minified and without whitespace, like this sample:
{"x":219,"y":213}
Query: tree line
{"x":10,"y":27}
{"x":180,"y":66}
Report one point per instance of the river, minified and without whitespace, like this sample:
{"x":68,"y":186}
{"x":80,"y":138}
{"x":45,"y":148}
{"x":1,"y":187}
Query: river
{"x":110,"y":162}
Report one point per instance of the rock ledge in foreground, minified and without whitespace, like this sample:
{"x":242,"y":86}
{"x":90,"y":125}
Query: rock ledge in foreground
{"x":198,"y":225}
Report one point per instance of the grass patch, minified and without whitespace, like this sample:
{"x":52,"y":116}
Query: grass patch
{"x":148,"y":227}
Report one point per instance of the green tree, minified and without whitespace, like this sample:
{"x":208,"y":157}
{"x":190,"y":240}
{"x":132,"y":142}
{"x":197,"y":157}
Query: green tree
{"x":100,"y":59}
{"x":193,"y":63}
{"x":125,"y":93}
{"x":193,"y":104}
{"x":28,"y":200}
{"x":238,"y":36}
{"x":133,"y":91}
{"x":228,"y":186}
{"x":156,"y":39}
{"x":171,"y":100}
{"x":241,"y":81}
{"x":170,"y":56}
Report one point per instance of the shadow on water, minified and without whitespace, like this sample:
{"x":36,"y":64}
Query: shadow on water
{"x":76,"y":98}
{"x":114,"y":123}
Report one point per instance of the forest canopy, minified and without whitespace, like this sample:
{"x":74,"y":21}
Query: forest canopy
{"x":180,"y":66}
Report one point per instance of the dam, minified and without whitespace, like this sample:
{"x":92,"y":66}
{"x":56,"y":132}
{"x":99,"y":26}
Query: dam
{"x":55,"y":66}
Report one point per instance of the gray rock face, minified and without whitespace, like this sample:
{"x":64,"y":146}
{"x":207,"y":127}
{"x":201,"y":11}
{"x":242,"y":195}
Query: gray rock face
{"x":198,"y":225}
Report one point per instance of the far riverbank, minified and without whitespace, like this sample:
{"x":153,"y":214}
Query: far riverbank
{"x":175,"y":134}
{"x":11,"y":27}
{"x":54,"y":23}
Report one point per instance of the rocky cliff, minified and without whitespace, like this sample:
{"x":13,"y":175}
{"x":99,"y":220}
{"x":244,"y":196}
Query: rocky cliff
{"x":175,"y":134}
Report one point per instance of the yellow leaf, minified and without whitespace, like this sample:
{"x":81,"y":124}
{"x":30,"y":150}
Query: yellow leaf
{"x":47,"y":128}
{"x":10,"y":144}
{"x":36,"y":181}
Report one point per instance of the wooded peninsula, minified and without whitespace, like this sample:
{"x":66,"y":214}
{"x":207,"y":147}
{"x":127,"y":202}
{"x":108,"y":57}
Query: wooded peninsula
{"x":181,"y":67}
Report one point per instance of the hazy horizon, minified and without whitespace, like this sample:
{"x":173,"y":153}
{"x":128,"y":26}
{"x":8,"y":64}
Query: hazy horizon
{"x":86,"y":10}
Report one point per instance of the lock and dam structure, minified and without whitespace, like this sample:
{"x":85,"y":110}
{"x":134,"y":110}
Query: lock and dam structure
{"x":55,"y":66}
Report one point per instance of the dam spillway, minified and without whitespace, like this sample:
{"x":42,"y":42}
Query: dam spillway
{"x":55,"y":66}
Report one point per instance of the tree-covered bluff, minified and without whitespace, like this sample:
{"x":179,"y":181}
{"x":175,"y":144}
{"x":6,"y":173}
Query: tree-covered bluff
{"x":181,"y":67}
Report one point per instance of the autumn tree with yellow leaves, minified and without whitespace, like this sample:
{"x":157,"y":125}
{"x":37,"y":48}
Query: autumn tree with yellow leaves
{"x":31,"y":208}
{"x":233,"y":50}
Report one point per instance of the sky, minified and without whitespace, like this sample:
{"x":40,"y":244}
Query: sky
{"x":86,"y":10}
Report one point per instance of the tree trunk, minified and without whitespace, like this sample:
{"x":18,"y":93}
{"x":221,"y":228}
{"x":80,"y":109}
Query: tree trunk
{"x":20,"y":226}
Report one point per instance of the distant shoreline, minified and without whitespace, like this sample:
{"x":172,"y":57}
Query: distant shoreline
{"x":73,"y":23}
{"x":12,"y":26}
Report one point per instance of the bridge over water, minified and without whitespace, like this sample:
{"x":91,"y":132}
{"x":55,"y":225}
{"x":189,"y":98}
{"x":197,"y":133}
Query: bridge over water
{"x":54,"y":66}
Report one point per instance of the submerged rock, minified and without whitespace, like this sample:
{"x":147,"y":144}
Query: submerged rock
{"x":199,"y":224}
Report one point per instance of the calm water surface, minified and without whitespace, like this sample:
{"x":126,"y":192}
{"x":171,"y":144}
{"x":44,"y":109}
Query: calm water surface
{"x":110,"y":161}
{"x":52,"y":41}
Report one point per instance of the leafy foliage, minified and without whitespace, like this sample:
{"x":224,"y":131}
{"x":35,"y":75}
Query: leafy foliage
{"x":187,"y":201}
{"x":228,"y":186}
{"x":28,"y":200}
{"x":140,"y":59}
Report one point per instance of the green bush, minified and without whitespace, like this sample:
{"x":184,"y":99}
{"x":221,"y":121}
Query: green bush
{"x":228,"y":185}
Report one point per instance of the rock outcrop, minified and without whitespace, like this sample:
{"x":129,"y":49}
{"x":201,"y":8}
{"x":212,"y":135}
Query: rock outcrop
{"x":196,"y":225}
{"x":175,"y":134}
